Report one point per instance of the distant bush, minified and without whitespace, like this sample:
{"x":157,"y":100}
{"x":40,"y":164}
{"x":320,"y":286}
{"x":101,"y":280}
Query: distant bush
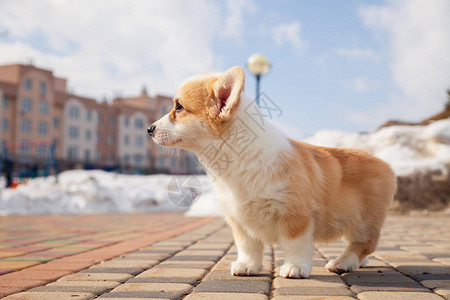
{"x":429,"y":190}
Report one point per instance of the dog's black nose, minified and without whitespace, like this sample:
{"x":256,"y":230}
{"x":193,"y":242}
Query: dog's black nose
{"x":151,"y":129}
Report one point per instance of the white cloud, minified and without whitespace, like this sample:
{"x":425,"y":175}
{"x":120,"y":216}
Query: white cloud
{"x":358,"y":53}
{"x":360,"y":84}
{"x":288,"y":33}
{"x":418,"y":32}
{"x":116,"y":45}
{"x":235,"y":19}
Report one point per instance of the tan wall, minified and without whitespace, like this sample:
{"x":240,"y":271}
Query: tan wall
{"x":105,"y":129}
{"x":9,"y":73}
{"x":83,"y":125}
{"x":34,"y":116}
{"x":132,"y":133}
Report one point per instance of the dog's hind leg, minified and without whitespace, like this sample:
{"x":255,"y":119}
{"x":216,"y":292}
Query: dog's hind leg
{"x":354,"y":256}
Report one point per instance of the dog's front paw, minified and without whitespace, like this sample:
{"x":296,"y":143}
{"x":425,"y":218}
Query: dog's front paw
{"x":294,"y":271}
{"x":244,"y":269}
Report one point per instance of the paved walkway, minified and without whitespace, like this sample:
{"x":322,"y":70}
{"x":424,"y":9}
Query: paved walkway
{"x":168,"y":256}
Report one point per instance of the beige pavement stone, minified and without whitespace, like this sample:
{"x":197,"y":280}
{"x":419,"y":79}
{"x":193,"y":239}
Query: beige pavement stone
{"x":200,"y":253}
{"x":104,"y":284}
{"x":226,"y":275}
{"x":148,"y":256}
{"x":173,"y":273}
{"x":187,"y":264}
{"x":225,"y":296}
{"x":296,"y":297}
{"x":432,"y":284}
{"x":96,"y":277}
{"x":122,"y":263}
{"x":444,"y":260}
{"x":154,"y":287}
{"x":50,"y":295}
{"x":443,"y":292}
{"x":219,"y":246}
{"x":280,"y":282}
{"x":410,"y":268}
{"x":397,"y":296}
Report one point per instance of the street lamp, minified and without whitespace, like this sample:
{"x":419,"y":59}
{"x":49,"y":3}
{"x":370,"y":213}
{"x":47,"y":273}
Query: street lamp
{"x":259,"y":65}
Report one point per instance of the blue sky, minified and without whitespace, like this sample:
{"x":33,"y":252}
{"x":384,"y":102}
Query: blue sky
{"x":347,"y":65}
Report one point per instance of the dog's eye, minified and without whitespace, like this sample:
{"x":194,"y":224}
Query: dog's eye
{"x":179,"y":107}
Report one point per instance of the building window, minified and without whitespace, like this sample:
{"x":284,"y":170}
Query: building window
{"x":126,"y":140}
{"x":126,"y":158}
{"x":43,"y":128}
{"x":26,"y":126}
{"x":5,"y":103}
{"x":28,"y":84}
{"x":126,"y":121}
{"x":41,"y":150}
{"x":98,"y":137}
{"x":139,"y":141}
{"x":88,"y":135}
{"x":110,"y":158}
{"x":72,"y":152}
{"x":139,"y":123}
{"x":161,"y":161}
{"x":73,"y":132}
{"x":55,"y":122}
{"x":89,"y":115}
{"x":27,"y":105}
{"x":99,"y":118}
{"x":5,"y":124}
{"x":25,"y":148}
{"x":74,"y":112}
{"x":43,"y":107}
{"x":98,"y":155}
{"x":43,"y":88}
{"x":148,"y":154}
{"x":138,"y":158}
{"x":173,"y":161}
{"x":111,"y":120}
{"x":110,"y":139}
{"x":163,"y":110}
{"x":87,"y":155}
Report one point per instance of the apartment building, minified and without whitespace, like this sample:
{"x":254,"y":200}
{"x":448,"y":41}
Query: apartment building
{"x":37,"y":112}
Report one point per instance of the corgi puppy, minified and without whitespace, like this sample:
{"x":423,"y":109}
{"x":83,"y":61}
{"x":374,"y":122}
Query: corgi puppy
{"x":274,"y":189}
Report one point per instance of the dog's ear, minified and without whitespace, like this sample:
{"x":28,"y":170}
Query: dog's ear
{"x":227,"y":91}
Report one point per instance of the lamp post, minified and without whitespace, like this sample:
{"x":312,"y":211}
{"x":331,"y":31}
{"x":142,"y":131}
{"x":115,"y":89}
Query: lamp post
{"x":259,"y":65}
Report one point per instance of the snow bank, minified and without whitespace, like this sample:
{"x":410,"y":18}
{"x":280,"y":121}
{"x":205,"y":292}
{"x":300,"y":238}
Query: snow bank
{"x":81,"y":191}
{"x":408,"y":149}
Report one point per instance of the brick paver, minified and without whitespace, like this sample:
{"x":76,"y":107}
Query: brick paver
{"x":169,"y":256}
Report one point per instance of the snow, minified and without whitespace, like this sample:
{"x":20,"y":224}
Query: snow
{"x":408,"y":149}
{"x":80,"y":191}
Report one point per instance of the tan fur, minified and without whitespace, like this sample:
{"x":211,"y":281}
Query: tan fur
{"x":350,"y":193}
